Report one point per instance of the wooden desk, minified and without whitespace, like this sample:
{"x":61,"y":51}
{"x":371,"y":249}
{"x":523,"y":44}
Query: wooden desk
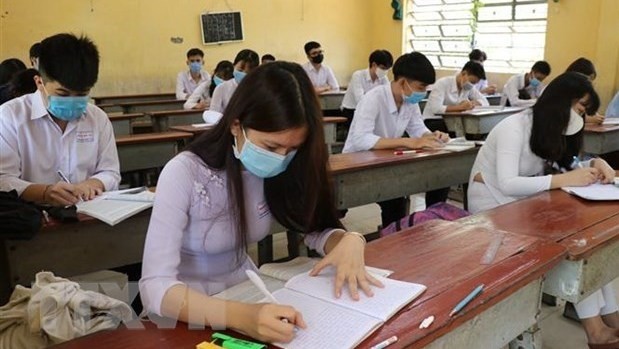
{"x":149,"y":150}
{"x":477,"y":122}
{"x":163,"y":120}
{"x":110,"y":108}
{"x":122,"y":122}
{"x":330,"y":130}
{"x":601,"y":139}
{"x":589,"y":230}
{"x":331,"y":100}
{"x":195,"y":131}
{"x":508,"y":306}
{"x":367,"y":177}
{"x":70,"y":249}
{"x":115,"y":99}
{"x":150,"y":106}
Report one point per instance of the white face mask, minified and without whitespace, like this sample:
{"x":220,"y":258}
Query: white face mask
{"x":575,"y":124}
{"x":381,"y":73}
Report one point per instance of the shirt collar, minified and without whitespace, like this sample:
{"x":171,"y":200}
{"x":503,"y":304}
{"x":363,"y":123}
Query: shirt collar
{"x":38,"y":108}
{"x":367,"y":75}
{"x":393,"y":108}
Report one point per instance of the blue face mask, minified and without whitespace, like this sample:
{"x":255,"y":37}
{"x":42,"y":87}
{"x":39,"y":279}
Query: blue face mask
{"x":195,"y":67}
{"x":414,"y":97}
{"x":217,"y":80}
{"x":239,"y":75}
{"x":67,"y":108}
{"x":534,"y":82}
{"x":261,"y":162}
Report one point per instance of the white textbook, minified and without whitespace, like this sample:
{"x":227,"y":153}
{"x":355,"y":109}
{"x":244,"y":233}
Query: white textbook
{"x":458,"y":144}
{"x":595,"y":191}
{"x":115,"y":206}
{"x":331,"y":322}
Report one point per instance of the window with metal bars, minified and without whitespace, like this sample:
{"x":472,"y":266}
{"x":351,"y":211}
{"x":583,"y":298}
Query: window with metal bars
{"x":511,"y":32}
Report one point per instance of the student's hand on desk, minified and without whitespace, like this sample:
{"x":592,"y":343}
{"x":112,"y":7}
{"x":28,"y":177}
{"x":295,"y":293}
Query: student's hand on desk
{"x":594,"y":119}
{"x":87,"y":191}
{"x":428,"y":141}
{"x":581,"y":177}
{"x":440,"y":136}
{"x":466,"y":105}
{"x":348,"y":259}
{"x":606,"y":173}
{"x":490,"y":90}
{"x":61,"y":194}
{"x":200,"y":105}
{"x":265,"y":322}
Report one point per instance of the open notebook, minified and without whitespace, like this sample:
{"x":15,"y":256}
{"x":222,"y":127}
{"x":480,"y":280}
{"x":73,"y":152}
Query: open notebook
{"x":595,"y":191}
{"x":336,"y":323}
{"x":458,"y":144}
{"x":611,"y":121}
{"x":115,"y":206}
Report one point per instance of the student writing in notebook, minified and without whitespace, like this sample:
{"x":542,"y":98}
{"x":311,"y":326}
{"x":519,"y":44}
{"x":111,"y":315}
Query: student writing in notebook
{"x":386,"y":112}
{"x":201,"y":96}
{"x":264,"y":160}
{"x":244,"y":62}
{"x":188,"y":80}
{"x":586,"y":67}
{"x":517,"y":159}
{"x":524,"y":89}
{"x":56,"y":129}
{"x":320,"y":74}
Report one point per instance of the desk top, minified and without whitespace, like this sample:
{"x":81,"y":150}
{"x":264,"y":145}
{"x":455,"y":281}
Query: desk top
{"x":350,"y":162}
{"x":142,"y":138}
{"x":554,"y":215}
{"x":146,"y":95}
{"x":191,"y":129}
{"x":166,"y":113}
{"x":167,"y":101}
{"x":120,"y":116}
{"x":520,"y":260}
{"x":487,"y":111}
{"x":333,"y":119}
{"x":339,"y":92}
{"x":601,"y":128}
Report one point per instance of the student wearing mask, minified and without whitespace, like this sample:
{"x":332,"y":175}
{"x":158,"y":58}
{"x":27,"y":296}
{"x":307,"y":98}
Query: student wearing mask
{"x":586,"y":67}
{"x":320,"y":74}
{"x":201,"y":96}
{"x":35,"y":52}
{"x":223,"y":194}
{"x":363,"y":80}
{"x":267,"y":58}
{"x":454,"y":93}
{"x":482,"y":86}
{"x":533,"y":151}
{"x":244,"y":62}
{"x":188,"y":80}
{"x":386,"y":112}
{"x":522,"y":90}
{"x":56,"y":129}
{"x":21,"y":84}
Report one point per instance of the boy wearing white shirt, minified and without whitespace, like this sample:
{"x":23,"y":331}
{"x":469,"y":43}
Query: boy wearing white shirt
{"x":188,"y":80}
{"x":522,"y":90}
{"x":56,"y":131}
{"x":386,"y":112}
{"x":321,"y":75}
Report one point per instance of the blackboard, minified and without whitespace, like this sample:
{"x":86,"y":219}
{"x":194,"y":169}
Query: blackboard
{"x":221,"y":27}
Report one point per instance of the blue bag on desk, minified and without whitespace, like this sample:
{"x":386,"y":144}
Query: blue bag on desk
{"x":440,"y":210}
{"x":18,"y":219}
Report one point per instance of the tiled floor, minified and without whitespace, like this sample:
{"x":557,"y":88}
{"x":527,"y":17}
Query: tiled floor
{"x":557,"y":331}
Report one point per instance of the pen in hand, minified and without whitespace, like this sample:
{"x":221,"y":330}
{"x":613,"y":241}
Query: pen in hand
{"x":66,"y":180}
{"x":257,"y":281}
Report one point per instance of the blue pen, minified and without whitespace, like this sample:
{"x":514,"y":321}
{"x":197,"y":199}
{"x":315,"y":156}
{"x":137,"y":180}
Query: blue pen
{"x":576,"y":162}
{"x":467,"y":300}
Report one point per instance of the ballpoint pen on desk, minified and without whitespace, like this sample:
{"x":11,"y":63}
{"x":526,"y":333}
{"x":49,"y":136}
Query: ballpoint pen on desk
{"x":387,"y":342}
{"x":467,"y":300}
{"x":66,"y":180}
{"x":402,"y":152}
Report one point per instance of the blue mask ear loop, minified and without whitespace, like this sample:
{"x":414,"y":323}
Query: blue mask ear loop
{"x":237,"y":152}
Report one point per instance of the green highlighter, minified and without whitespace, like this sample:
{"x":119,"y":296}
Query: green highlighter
{"x":235,"y":343}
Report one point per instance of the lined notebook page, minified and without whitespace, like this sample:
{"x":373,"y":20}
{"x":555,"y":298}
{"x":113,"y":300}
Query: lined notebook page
{"x":247,"y":292}
{"x":595,"y":191}
{"x":384,"y":304}
{"x":328,"y":326}
{"x":111,"y":211}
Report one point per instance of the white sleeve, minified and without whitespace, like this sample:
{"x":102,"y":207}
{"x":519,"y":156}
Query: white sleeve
{"x":509,"y":148}
{"x":217,"y":101}
{"x":331,"y":80}
{"x":108,"y":166}
{"x":475,"y":95}
{"x":318,"y":240}
{"x":511,"y":92}
{"x":180,"y":87}
{"x":416,"y":127}
{"x":197,"y":95}
{"x":436,"y":101}
{"x":356,"y":87}
{"x":10,"y":161}
{"x":361,"y":133}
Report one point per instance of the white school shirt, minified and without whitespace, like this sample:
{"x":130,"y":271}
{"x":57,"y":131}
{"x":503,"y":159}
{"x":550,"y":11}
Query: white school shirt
{"x":33,"y":147}
{"x":510,"y":169}
{"x":511,"y":88}
{"x":481,"y":84}
{"x":321,"y":77}
{"x":613,"y":107}
{"x":191,"y":238}
{"x":185,"y":84}
{"x":201,"y":93}
{"x":360,"y":83}
{"x":444,"y":93}
{"x":377,"y":116}
{"x":222,"y":94}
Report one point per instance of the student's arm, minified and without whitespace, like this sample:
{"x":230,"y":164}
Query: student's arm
{"x":197,"y":99}
{"x":165,"y":295}
{"x":356,"y":87}
{"x":594,"y":119}
{"x":107,"y":169}
{"x":478,"y":97}
{"x":510,"y":90}
{"x":331,"y":80}
{"x":180,"y":87}
{"x":217,"y":101}
{"x":436,"y":100}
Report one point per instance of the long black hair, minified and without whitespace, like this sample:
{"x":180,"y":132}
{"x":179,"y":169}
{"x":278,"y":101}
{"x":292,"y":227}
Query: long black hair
{"x":275,"y":97}
{"x":551,"y":115}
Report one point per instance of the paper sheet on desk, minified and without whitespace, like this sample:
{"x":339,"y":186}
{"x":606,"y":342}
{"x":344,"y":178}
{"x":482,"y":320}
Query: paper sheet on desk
{"x":611,"y":121}
{"x":595,"y":191}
